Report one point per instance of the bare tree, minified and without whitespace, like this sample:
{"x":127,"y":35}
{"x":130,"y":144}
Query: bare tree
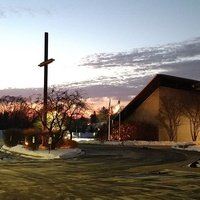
{"x":62,"y":108}
{"x":12,"y":103}
{"x":170,"y":114}
{"x":16,"y":110}
{"x":191,"y":108}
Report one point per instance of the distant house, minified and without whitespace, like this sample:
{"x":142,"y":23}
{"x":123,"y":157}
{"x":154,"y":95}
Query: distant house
{"x":145,"y":106}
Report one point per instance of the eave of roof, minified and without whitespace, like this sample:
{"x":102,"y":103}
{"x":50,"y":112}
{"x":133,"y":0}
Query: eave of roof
{"x":159,"y":80}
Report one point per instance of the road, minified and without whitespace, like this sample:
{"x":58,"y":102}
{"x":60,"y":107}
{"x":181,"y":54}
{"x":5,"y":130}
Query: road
{"x":103,"y":172}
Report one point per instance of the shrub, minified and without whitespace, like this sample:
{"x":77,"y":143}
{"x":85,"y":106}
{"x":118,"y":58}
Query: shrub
{"x":32,"y":138}
{"x":146,"y":131}
{"x":12,"y":137}
{"x":45,"y":137}
{"x":66,"y":143}
{"x":102,"y":133}
{"x":127,"y":132}
{"x":135,"y":131}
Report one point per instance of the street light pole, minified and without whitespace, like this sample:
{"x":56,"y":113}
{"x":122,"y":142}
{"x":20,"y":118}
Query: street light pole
{"x":109,"y":116}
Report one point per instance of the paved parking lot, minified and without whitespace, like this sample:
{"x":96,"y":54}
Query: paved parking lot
{"x":104,"y":172}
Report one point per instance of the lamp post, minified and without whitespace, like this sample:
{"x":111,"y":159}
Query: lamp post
{"x":45,"y":64}
{"x":119,"y":125}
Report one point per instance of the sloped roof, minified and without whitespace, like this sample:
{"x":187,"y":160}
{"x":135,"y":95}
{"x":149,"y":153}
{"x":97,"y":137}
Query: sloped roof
{"x":156,"y":82}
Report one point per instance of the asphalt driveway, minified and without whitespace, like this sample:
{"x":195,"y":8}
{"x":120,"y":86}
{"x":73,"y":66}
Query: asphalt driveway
{"x":103,"y":172}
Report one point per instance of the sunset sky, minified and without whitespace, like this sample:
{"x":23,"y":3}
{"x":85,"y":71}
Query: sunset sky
{"x":106,"y":47}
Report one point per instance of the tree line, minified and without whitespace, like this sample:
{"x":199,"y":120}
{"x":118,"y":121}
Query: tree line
{"x":66,"y":114}
{"x":65,"y":110}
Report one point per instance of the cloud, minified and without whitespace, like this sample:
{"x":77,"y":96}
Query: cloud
{"x":127,"y":73}
{"x":17,"y":10}
{"x":143,"y":57}
{"x":2,"y":13}
{"x":123,"y":75}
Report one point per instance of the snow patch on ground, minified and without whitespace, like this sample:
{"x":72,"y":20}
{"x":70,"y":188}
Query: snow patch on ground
{"x":189,"y":146}
{"x":71,"y":153}
{"x":42,"y":154}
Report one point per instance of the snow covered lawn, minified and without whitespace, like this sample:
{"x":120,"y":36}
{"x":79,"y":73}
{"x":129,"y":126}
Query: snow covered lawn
{"x":42,"y":154}
{"x":71,"y":153}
